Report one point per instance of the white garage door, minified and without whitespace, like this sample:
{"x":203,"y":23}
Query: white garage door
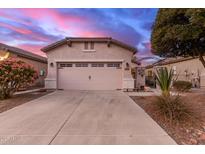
{"x":90,"y":76}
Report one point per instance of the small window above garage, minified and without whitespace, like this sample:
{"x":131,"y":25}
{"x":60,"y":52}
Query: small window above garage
{"x":85,"y":45}
{"x":113,"y":65}
{"x":66,"y":65}
{"x":89,"y":46}
{"x":81,"y":65}
{"x":97,"y":65}
{"x":92,"y":45}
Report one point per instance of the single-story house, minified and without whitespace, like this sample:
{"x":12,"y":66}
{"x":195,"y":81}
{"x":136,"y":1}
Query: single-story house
{"x":89,"y":63}
{"x":185,"y":68}
{"x":38,"y":62}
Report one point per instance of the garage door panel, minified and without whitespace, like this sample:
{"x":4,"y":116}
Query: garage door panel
{"x":90,"y":78}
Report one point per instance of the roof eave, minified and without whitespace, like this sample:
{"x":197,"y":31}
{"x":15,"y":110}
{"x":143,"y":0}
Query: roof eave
{"x":73,"y":39}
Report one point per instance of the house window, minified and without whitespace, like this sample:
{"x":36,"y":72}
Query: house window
{"x":113,"y":65}
{"x":66,"y":65}
{"x":88,"y":45}
{"x":69,"y":65}
{"x":92,"y":45}
{"x":62,"y":65}
{"x":81,"y":65}
{"x":97,"y":65}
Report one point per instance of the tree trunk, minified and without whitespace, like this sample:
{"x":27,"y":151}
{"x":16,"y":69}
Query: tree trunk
{"x":202,"y":59}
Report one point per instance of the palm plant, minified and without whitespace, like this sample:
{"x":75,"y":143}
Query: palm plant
{"x":164,"y":79}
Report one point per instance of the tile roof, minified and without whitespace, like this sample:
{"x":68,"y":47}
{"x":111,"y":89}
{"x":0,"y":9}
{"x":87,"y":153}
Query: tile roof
{"x":23,"y":53}
{"x":167,"y":61}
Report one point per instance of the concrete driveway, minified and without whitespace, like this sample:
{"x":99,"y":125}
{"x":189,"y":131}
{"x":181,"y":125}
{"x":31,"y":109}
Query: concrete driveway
{"x":80,"y":117}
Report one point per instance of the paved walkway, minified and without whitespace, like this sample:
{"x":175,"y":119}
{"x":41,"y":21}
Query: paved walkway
{"x":80,"y":117}
{"x":28,"y":91}
{"x":152,"y":92}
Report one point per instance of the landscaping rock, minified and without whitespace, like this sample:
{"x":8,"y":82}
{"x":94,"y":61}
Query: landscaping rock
{"x":193,"y":141}
{"x":199,"y":132}
{"x":202,"y":138}
{"x":183,"y":143}
{"x":203,"y":127}
{"x":194,"y":134}
{"x":187,"y":130}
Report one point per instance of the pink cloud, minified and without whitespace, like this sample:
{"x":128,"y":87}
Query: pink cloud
{"x":32,"y":48}
{"x":147,"y":45}
{"x":146,"y":49}
{"x":40,"y":38}
{"x":64,"y":22}
{"x":84,"y":33}
{"x":51,"y":14}
{"x":16,"y":29}
{"x":24,"y":31}
{"x":5,"y":13}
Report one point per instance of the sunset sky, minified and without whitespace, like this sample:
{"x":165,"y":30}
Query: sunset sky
{"x":32,"y":29}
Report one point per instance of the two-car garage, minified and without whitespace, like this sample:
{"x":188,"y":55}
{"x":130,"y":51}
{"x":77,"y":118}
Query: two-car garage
{"x":90,"y":63}
{"x":89,"y":75}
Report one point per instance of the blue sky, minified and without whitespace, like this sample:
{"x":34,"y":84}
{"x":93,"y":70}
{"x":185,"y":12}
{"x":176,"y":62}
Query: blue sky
{"x":31,"y":29}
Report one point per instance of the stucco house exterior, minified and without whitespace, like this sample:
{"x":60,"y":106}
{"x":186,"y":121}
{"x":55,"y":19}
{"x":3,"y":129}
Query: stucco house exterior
{"x":38,"y":62}
{"x":185,"y":68}
{"x":88,"y":63}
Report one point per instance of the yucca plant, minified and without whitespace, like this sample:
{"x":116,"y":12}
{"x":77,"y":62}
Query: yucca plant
{"x":164,"y":79}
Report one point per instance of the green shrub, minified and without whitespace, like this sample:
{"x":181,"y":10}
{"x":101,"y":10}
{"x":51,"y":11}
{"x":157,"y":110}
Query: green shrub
{"x":182,"y":86}
{"x":174,"y":109}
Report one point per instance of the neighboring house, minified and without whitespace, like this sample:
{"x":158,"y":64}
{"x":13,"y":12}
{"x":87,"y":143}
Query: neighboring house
{"x":89,"y":64}
{"x":185,"y":68}
{"x":38,"y":62}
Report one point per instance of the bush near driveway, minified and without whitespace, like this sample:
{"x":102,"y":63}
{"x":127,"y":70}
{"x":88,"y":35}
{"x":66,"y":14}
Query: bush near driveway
{"x":175,"y":110}
{"x":182,"y":86}
{"x":15,"y":74}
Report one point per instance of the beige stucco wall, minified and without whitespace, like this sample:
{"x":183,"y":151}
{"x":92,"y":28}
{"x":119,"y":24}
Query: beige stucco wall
{"x":193,"y":67}
{"x":76,"y":53}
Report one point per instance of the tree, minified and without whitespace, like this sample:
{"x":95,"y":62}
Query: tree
{"x":15,"y":74}
{"x":179,"y":32}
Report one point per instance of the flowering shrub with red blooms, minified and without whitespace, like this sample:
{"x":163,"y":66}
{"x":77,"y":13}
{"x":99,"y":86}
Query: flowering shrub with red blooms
{"x":15,"y":74}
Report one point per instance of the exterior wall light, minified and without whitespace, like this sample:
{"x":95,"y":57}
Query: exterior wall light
{"x":127,"y":66}
{"x":51,"y":64}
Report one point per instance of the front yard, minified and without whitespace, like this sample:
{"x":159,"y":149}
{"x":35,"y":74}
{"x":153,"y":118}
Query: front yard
{"x":20,"y":99}
{"x":184,"y":133}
